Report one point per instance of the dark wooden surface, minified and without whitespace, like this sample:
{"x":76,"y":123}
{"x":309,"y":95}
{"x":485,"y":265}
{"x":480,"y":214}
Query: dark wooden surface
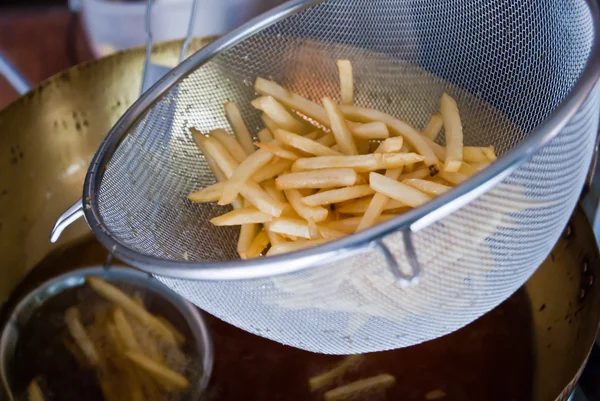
{"x":40,"y":42}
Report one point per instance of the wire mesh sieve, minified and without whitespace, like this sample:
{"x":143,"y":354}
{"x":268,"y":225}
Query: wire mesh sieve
{"x":523,"y":74}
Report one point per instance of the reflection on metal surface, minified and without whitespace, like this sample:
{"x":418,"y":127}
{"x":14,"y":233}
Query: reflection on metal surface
{"x":43,"y":134}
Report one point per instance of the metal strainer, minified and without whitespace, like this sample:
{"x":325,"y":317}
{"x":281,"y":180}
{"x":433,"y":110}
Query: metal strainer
{"x":523,"y":73}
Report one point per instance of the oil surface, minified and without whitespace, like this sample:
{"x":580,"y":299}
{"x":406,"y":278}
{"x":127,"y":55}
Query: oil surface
{"x":491,"y":359}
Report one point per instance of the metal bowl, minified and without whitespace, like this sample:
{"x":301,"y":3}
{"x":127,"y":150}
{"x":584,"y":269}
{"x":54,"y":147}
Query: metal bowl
{"x":163,"y":299}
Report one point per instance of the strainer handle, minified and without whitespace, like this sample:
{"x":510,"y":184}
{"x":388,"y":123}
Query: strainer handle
{"x":66,"y":219}
{"x":403,"y":279}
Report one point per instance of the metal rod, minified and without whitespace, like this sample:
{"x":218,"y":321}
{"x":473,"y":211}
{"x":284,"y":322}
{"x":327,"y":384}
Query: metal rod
{"x":148,"y":27}
{"x":190,"y":31}
{"x":13,"y":76}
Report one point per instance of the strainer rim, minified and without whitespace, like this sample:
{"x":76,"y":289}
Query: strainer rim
{"x":412,"y":220}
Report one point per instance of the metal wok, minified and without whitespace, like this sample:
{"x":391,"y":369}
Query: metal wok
{"x":47,"y":139}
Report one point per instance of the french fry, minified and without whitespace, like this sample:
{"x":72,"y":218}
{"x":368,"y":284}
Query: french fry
{"x":274,"y":238}
{"x":330,"y":233}
{"x":360,"y":163}
{"x":265,"y":135}
{"x":125,"y":332}
{"x":390,"y":145}
{"x":346,"y":81}
{"x":269,"y":124}
{"x":118,"y":297}
{"x":278,"y":151}
{"x":360,"y":206}
{"x":258,"y":245}
{"x":247,"y":234}
{"x":286,"y":247}
{"x":303,"y":143}
{"x":327,"y":140}
{"x":421,"y":173}
{"x":327,"y":378}
{"x":375,"y":383}
{"x":453,"y":178}
{"x":454,"y":134}
{"x":350,"y":224}
{"x":397,"y":127}
{"x":490,"y":153}
{"x":337,"y":195}
{"x":378,"y":203}
{"x":479,"y":166}
{"x":312,"y":135}
{"x":232,"y":112}
{"x":433,"y":127}
{"x":243,"y":173}
{"x":199,"y":139}
{"x":247,"y":215}
{"x":212,"y":193}
{"x":278,"y":114}
{"x":34,"y":392}
{"x":230,"y":143}
{"x":251,"y":191}
{"x":271,"y":188}
{"x":169,"y":378}
{"x":467,"y":169}
{"x":291,"y":100}
{"x":339,"y":127}
{"x":272,"y":170}
{"x":295,"y":102}
{"x":81,"y":337}
{"x":289,"y":226}
{"x":474,"y":154}
{"x":314,"y":213}
{"x":313,"y":230}
{"x":397,"y":190}
{"x":427,"y":187}
{"x":374,"y":130}
{"x":326,"y":178}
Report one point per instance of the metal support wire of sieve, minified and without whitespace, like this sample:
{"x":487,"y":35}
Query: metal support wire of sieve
{"x":523,"y":75}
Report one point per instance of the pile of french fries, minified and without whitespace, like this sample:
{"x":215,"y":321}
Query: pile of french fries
{"x":127,"y":347}
{"x":369,"y":385}
{"x":324,"y":172}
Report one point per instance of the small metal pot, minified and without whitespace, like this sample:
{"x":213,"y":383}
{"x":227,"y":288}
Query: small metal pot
{"x":162,"y":297}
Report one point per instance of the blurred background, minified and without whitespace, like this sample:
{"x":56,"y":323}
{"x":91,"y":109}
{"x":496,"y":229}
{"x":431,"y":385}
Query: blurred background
{"x":43,"y":37}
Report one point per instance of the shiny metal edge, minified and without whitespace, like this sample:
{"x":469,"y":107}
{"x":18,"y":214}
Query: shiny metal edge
{"x":26,"y":307}
{"x":283,"y":264}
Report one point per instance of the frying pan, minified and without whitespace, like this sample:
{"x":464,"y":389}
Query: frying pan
{"x":49,"y":135}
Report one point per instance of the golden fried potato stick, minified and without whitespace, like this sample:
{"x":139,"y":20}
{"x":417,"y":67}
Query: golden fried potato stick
{"x":327,"y":378}
{"x":303,"y":143}
{"x":325,"y":178}
{"x":397,"y":190}
{"x":165,"y":376}
{"x":81,"y":337}
{"x":346,"y":81}
{"x":247,"y":215}
{"x":454,"y":134}
{"x":244,"y":172}
{"x":427,"y":187}
{"x":397,"y":128}
{"x":234,"y":116}
{"x":375,"y":383}
{"x":339,"y":127}
{"x":115,"y":295}
{"x":34,"y":392}
{"x":433,"y":127}
{"x":286,"y":247}
{"x":230,"y":143}
{"x":338,"y":195}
